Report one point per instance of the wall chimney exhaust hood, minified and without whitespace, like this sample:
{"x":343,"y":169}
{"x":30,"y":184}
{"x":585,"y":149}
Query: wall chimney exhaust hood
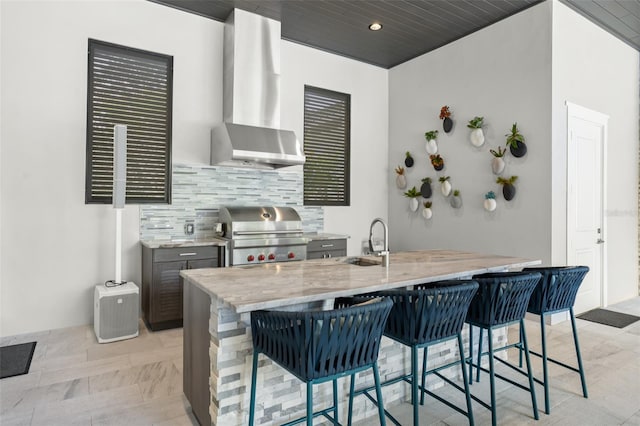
{"x":250,"y":135}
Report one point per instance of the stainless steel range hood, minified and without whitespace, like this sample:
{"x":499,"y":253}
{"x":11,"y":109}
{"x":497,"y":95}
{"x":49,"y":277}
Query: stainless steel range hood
{"x":251,"y":135}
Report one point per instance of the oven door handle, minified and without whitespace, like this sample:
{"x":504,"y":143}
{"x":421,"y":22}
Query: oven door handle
{"x":292,"y":231}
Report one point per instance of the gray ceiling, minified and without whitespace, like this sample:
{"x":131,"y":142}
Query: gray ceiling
{"x":410,"y":27}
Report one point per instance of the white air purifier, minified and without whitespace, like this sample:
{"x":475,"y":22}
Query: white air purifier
{"x":115,"y":315}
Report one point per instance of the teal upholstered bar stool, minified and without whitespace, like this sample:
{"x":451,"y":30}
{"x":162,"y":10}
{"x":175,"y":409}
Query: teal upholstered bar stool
{"x":321,"y":346}
{"x":501,"y":300}
{"x":428,"y":315}
{"x":556,"y":292}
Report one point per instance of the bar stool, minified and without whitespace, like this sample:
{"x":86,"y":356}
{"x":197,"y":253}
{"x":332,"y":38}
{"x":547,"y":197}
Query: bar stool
{"x":321,"y":346}
{"x":556,"y":292}
{"x":421,"y":318}
{"x":501,"y":300}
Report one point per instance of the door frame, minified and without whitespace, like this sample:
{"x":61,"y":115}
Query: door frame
{"x":578,"y":111}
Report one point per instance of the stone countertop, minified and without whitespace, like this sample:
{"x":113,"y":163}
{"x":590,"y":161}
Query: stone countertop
{"x":274,"y":285}
{"x":154,"y":244}
{"x":315,"y":236}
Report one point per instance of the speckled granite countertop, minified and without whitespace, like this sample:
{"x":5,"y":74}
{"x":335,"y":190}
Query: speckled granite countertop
{"x":183,"y":243}
{"x":322,"y":236}
{"x":269,"y":286}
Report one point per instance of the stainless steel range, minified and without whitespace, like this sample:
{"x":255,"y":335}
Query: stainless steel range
{"x":263,"y":234}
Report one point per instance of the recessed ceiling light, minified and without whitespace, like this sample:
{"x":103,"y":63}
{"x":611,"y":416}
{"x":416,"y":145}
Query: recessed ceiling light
{"x":376,"y":26}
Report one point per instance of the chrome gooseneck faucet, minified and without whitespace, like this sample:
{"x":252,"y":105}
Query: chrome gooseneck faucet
{"x":385,"y":252}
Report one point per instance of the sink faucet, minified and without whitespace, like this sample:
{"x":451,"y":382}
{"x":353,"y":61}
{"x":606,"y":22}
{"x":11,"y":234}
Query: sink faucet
{"x":385,"y":252}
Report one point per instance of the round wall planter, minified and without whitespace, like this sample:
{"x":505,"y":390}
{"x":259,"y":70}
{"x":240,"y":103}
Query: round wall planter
{"x":477,"y":137}
{"x":519,"y":151}
{"x":490,"y":204}
{"x":431,"y":146}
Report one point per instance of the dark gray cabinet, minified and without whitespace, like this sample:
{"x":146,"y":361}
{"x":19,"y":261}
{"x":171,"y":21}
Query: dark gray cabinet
{"x":161,"y":283}
{"x":326,"y":248}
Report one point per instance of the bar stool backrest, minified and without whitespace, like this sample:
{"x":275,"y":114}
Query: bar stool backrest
{"x":502,"y":298}
{"x":556,"y":291}
{"x":318,"y":344}
{"x":428,"y":315}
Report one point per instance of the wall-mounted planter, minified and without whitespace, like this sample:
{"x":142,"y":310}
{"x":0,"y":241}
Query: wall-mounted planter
{"x":508,"y":189}
{"x":432,"y":144}
{"x":445,"y":186}
{"x":425,"y":189}
{"x":445,"y":116}
{"x":455,"y":200}
{"x":426,"y":211}
{"x":401,"y":180}
{"x":515,"y":142}
{"x":497,"y":162}
{"x":490,"y":201}
{"x":413,"y":195}
{"x":408,"y":160}
{"x":437,"y":162}
{"x":477,"y":135}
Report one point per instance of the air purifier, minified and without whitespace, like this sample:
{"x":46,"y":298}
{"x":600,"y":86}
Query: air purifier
{"x":115,"y":315}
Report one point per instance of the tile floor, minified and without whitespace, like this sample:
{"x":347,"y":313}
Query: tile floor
{"x":76,"y":381}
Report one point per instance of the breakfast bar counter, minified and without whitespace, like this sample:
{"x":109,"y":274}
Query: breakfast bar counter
{"x":217,"y":333}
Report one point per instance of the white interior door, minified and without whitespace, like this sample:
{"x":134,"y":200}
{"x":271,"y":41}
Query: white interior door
{"x":587,"y":132}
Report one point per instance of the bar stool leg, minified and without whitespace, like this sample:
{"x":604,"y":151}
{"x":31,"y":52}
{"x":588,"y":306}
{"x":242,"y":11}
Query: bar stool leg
{"x":575,"y":341}
{"x":414,"y":384}
{"x":492,"y":379}
{"x":254,"y":376}
{"x":309,"y":404}
{"x":376,"y":378}
{"x":470,"y":354}
{"x":527,"y":358}
{"x":335,"y":401}
{"x":352,"y":387}
{"x":480,"y":355}
{"x":545,"y":367}
{"x":520,"y":348}
{"x":467,"y":394}
{"x":424,"y":375}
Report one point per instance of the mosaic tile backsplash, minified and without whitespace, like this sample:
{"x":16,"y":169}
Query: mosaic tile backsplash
{"x":199,"y":191}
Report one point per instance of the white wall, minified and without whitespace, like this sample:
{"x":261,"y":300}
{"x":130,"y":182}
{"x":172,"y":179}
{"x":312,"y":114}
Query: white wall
{"x":503,"y":73}
{"x":594,"y":69}
{"x":368,"y":87}
{"x":54,"y":247}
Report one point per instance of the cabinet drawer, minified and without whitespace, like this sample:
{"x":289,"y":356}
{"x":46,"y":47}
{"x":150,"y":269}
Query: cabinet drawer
{"x":326,"y":245}
{"x":185,"y":253}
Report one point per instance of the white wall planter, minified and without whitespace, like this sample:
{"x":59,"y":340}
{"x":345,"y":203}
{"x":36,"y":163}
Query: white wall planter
{"x":413,"y":204}
{"x":497,"y":165}
{"x":477,"y":137}
{"x":427,"y":213}
{"x":431,"y":146}
{"x":490,"y":204}
{"x":445,"y":188}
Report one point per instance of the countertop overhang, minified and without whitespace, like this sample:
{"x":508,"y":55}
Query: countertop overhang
{"x":275,"y":285}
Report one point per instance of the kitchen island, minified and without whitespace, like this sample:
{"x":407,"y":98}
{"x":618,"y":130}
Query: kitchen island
{"x":217,"y":333}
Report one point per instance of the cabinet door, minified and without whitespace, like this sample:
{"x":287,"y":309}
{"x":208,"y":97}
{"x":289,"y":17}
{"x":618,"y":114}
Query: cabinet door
{"x":204,"y":263}
{"x":167,"y":291}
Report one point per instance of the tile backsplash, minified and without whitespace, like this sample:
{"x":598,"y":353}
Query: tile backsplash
{"x":199,"y":191}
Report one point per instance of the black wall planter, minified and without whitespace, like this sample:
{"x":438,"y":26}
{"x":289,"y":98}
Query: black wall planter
{"x":520,"y":151}
{"x":425,"y":189}
{"x":508,"y":191}
{"x":447,"y":124}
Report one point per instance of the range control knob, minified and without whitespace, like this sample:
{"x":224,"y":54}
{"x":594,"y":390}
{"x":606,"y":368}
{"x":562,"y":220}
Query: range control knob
{"x":272,"y":256}
{"x":291,"y":255}
{"x":261,"y":257}
{"x":250,"y":258}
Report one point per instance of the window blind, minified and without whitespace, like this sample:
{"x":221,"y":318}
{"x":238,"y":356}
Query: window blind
{"x":132,"y":87}
{"x":327,"y":131}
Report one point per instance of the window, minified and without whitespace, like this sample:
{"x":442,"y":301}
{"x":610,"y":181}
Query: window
{"x":327,"y":130}
{"x":132,"y":87}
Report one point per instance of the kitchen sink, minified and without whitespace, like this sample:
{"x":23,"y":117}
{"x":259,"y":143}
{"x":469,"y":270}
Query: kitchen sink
{"x":363,"y":261}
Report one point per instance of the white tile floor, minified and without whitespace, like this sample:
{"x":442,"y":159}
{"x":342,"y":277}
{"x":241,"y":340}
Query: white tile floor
{"x":74,"y":380}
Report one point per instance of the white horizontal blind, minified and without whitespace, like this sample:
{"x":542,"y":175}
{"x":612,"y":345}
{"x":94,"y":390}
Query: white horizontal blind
{"x":327,"y":131}
{"x":132,"y":87}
